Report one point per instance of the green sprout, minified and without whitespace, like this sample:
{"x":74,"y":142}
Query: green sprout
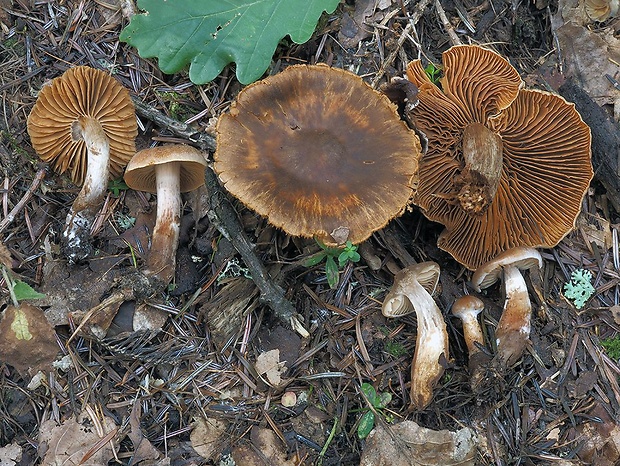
{"x":378,"y":402}
{"x":579,"y":289}
{"x":116,"y":186}
{"x":343,"y":255}
{"x":433,"y":73}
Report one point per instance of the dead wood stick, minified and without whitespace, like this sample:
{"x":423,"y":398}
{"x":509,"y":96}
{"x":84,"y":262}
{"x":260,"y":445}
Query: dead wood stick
{"x":6,"y":221}
{"x":224,"y":217}
{"x":454,"y":38}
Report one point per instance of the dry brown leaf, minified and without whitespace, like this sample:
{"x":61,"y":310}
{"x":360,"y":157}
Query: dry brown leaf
{"x":268,"y":364}
{"x":77,"y":441}
{"x":5,"y":257}
{"x":206,"y":435}
{"x":266,"y":448}
{"x":27,"y":340}
{"x":144,"y":452}
{"x":10,"y":455}
{"x":408,"y":444}
{"x":588,"y":54}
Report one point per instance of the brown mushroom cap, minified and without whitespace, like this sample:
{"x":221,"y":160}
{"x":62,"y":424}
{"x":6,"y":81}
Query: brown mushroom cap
{"x":82,"y":92}
{"x":140,"y":172}
{"x":317,"y":150}
{"x":521,"y":258}
{"x":539,"y":141}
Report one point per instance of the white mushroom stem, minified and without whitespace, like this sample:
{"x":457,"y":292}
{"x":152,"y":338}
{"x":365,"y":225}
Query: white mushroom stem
{"x":430,"y":346}
{"x":467,"y":309}
{"x":80,"y":219}
{"x":162,"y":257}
{"x":513,"y":330}
{"x":408,"y":293}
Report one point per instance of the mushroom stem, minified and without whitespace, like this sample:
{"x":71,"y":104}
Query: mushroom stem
{"x":412,"y":292}
{"x":467,"y":309}
{"x":76,"y":235}
{"x":430,"y":346}
{"x":513,"y":330}
{"x":477,"y":183}
{"x":162,"y":256}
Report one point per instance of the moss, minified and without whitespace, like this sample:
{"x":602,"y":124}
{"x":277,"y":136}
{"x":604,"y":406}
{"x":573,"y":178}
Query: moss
{"x":612,"y":346}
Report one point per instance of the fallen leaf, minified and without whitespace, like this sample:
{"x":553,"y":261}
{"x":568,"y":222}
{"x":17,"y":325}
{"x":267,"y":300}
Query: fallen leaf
{"x":588,"y":53}
{"x":10,"y":455}
{"x":408,"y":444}
{"x":268,"y":364}
{"x":72,"y":442}
{"x":143,"y":450}
{"x":206,"y":436}
{"x":27,"y":340}
{"x":266,"y":448}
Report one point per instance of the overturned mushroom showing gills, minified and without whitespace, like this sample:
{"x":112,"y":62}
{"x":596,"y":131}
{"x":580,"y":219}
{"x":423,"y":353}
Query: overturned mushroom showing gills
{"x":505,"y":166}
{"x":167,"y":171}
{"x":84,"y":122}
{"x":319,"y":153}
{"x":513,"y":329}
{"x":410,"y":292}
{"x":467,"y":309}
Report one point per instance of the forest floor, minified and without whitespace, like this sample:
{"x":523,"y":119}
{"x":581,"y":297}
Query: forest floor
{"x":194,"y":393}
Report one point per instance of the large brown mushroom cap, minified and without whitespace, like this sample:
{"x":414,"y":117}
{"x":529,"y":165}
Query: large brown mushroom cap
{"x":317,"y":150}
{"x":82,"y":92}
{"x":542,"y":149}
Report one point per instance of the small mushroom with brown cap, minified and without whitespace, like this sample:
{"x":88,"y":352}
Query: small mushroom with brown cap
{"x":505,"y":166}
{"x":84,"y":122}
{"x":410,"y":292}
{"x":513,"y":330}
{"x":319,"y":153}
{"x":168,"y":171}
{"x":467,"y":309}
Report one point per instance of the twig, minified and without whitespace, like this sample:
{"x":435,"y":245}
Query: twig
{"x":446,"y":24}
{"x":413,"y":20}
{"x":6,"y":221}
{"x":224,"y":217}
{"x":201,"y":139}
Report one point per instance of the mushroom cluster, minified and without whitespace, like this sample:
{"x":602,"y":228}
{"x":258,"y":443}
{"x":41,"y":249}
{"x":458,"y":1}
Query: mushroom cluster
{"x":319,"y":153}
{"x":84,"y":122}
{"x":505,"y":166}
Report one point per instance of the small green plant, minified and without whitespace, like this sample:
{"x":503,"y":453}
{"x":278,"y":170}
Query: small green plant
{"x":343,"y":255}
{"x":116,"y":186}
{"x":433,"y":73}
{"x":612,"y":346}
{"x":378,"y":402}
{"x":579,"y":289}
{"x":18,"y":289}
{"x":395,"y":348}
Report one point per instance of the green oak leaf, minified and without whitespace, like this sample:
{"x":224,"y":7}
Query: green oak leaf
{"x":207,"y":35}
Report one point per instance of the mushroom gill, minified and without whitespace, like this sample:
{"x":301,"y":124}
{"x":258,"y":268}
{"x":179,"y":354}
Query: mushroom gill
{"x":505,"y":166}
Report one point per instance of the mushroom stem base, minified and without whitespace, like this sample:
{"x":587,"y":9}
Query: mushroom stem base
{"x":513,"y":329}
{"x":76,"y":243}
